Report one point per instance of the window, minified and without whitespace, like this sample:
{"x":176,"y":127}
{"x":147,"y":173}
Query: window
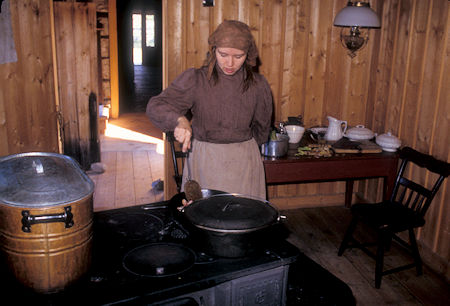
{"x":137,"y":39}
{"x":150,"y":30}
{"x":138,"y":35}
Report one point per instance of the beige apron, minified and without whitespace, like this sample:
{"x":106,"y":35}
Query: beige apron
{"x":233,"y":168}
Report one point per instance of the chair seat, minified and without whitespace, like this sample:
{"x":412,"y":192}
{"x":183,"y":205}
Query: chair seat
{"x":388,"y":215}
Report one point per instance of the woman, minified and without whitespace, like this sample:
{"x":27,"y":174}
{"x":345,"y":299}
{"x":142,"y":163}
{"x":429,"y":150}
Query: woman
{"x":231,"y":107}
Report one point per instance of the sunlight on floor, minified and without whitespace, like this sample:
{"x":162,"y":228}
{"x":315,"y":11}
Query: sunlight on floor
{"x":115,"y":131}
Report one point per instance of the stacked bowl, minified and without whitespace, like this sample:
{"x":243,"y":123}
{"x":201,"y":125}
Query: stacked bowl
{"x":295,"y":133}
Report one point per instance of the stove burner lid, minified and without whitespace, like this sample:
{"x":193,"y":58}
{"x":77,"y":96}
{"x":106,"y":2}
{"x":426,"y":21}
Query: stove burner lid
{"x":159,"y":259}
{"x":135,"y":226}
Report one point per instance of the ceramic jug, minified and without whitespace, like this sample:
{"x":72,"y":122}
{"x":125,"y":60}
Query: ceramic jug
{"x":336,"y":129}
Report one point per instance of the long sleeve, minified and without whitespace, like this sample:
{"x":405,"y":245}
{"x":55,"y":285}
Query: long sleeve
{"x":164,"y":110}
{"x":262,"y":118}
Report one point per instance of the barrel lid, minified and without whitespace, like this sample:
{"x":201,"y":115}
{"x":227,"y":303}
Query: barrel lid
{"x":42,"y":179}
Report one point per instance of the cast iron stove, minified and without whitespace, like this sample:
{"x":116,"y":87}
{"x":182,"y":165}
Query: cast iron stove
{"x":145,"y":255}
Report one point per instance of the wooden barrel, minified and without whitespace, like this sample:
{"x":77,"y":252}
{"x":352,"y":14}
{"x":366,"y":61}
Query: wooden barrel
{"x":46,"y":217}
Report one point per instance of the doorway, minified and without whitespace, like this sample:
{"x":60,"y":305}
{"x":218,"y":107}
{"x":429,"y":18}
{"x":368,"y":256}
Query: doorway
{"x":139,"y":34}
{"x":132,"y":148}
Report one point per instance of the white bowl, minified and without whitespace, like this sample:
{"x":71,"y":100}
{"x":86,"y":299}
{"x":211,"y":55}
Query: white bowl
{"x":295,"y":132}
{"x":388,"y":142}
{"x":359,"y":132}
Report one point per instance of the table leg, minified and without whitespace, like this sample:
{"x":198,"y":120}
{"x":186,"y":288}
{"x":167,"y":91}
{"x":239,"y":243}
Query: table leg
{"x":388,"y":186}
{"x":348,"y":193}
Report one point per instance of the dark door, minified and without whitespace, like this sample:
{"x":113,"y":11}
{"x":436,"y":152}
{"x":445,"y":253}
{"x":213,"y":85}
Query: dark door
{"x":139,"y":77}
{"x":151,"y":38}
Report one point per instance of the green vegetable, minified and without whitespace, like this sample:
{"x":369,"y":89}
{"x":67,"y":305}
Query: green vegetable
{"x":306,"y":148}
{"x":273,"y":135}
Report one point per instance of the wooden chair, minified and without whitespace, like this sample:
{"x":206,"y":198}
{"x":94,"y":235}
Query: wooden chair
{"x":404,"y":211}
{"x":176,"y":155}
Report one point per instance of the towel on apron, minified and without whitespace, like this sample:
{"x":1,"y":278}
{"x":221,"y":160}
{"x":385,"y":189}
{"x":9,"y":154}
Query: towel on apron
{"x":232,"y":167}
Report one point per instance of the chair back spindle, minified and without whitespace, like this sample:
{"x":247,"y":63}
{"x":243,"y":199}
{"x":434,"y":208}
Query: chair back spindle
{"x":409,"y":193}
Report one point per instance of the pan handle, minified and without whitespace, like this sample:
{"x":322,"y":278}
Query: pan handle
{"x":28,"y":219}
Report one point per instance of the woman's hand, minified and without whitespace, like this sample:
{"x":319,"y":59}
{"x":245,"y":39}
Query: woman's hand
{"x":186,"y":203}
{"x":183,"y":133}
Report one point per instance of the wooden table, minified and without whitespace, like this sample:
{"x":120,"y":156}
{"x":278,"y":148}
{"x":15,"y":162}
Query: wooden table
{"x":340,"y":167}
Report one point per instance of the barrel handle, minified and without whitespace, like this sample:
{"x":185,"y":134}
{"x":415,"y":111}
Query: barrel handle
{"x":28,"y":220}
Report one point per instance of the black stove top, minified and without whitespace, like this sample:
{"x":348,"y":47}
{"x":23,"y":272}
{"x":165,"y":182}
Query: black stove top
{"x":123,"y":241}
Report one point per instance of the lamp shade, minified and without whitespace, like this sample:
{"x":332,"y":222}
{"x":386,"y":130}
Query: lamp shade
{"x":357,"y":16}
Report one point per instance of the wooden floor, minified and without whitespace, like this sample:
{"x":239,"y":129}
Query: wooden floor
{"x":132,"y":167}
{"x":147,"y":82}
{"x":317,"y":232}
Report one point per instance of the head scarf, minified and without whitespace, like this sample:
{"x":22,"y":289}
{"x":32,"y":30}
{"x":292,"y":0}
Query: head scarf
{"x":231,"y":34}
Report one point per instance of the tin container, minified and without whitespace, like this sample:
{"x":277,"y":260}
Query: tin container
{"x":276,"y":148}
{"x":46,"y":217}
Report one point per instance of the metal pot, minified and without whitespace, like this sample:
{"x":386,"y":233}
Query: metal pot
{"x":231,"y":225}
{"x":276,"y":148}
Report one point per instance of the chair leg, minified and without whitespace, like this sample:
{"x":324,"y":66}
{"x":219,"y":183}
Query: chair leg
{"x":388,"y":242}
{"x":379,"y":259}
{"x":415,"y":251}
{"x":348,"y":236}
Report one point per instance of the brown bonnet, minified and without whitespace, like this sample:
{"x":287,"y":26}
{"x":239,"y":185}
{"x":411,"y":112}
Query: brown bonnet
{"x":231,"y":34}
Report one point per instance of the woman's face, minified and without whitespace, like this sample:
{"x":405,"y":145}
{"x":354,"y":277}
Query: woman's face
{"x":230,"y":60}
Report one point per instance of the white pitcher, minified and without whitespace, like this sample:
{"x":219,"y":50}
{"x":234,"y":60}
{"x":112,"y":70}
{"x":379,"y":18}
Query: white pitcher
{"x":336,"y":129}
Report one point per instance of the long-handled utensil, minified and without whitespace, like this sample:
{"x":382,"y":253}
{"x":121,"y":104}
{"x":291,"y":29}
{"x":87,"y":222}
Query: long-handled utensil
{"x":192,"y":188}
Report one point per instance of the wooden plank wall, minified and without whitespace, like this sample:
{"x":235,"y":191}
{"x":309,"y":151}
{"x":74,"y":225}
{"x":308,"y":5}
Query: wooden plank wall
{"x":28,"y":116}
{"x":398,"y":82}
{"x":76,"y":48}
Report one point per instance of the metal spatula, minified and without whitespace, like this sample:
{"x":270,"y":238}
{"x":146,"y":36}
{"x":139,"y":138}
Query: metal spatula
{"x":192,"y":188}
